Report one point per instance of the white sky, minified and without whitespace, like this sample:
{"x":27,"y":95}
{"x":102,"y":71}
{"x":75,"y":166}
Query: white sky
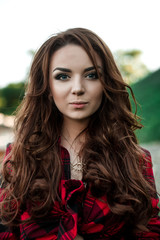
{"x":123,"y":24}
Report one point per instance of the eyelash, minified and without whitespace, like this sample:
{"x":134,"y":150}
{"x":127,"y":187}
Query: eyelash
{"x":93,"y":74}
{"x":63,"y":76}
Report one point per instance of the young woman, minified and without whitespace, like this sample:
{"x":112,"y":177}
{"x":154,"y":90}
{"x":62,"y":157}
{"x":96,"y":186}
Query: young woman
{"x":75,"y":169}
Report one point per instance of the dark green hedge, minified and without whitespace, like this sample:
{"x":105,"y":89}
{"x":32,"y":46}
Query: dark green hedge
{"x":147,"y":93}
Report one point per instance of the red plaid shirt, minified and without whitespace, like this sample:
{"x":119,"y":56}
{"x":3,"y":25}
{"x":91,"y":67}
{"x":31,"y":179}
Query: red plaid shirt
{"x":80,"y":212}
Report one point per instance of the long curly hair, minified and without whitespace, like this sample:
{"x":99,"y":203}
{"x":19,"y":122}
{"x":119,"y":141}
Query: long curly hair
{"x":113,"y":160}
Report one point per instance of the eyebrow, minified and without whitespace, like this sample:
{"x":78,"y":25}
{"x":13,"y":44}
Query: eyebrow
{"x":62,"y":69}
{"x":68,"y":70}
{"x":91,"y":68}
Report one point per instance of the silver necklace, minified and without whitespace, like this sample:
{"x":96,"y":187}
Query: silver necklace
{"x":78,"y":165}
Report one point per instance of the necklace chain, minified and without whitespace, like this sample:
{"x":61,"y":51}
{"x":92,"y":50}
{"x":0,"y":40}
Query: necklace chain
{"x":78,"y":165}
{"x":70,"y":145}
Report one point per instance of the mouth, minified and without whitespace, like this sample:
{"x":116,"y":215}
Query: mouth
{"x":78,"y":104}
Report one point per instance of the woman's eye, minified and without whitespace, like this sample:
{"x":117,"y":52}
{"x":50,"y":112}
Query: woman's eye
{"x":62,"y":77}
{"x":92,"y":75}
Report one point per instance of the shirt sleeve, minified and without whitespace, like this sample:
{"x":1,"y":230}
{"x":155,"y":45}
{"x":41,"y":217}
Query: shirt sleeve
{"x":154,"y":223}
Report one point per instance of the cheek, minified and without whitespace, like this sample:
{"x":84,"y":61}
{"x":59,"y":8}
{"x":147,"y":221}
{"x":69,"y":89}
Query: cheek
{"x":98,"y":93}
{"x":56,"y":93}
{"x":58,"y":98}
{"x":59,"y":102}
{"x":55,"y":96}
{"x":99,"y":100}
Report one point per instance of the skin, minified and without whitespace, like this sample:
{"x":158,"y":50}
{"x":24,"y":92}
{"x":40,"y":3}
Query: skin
{"x":77,"y":93}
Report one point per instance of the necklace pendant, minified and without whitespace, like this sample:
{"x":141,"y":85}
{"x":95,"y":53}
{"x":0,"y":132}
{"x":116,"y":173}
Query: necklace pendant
{"x":77,"y":167}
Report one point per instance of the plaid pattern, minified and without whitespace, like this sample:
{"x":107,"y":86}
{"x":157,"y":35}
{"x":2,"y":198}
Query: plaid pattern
{"x":80,"y":212}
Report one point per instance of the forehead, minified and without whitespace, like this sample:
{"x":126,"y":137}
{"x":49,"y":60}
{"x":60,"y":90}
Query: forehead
{"x":72,"y":55}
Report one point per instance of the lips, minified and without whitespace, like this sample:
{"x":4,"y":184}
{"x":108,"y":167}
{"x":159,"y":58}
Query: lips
{"x":78,"y":104}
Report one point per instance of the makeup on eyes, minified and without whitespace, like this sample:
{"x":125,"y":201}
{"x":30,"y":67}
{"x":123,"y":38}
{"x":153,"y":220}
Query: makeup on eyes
{"x":92,"y":75}
{"x":89,"y":72}
{"x":61,"y":76}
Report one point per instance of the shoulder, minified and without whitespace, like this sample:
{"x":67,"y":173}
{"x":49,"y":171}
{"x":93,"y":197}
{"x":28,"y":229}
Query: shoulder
{"x":8,"y":151}
{"x":146,"y":157}
{"x":147,"y":168}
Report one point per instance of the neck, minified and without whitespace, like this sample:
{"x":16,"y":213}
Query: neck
{"x":71,"y":129}
{"x":73,"y":139}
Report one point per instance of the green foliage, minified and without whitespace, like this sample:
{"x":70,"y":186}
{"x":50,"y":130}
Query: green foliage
{"x":130,"y":65}
{"x":10,"y":97}
{"x":147,"y":93}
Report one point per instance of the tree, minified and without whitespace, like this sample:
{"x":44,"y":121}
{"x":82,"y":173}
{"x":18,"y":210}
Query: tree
{"x":130,"y":65}
{"x":10,"y":97}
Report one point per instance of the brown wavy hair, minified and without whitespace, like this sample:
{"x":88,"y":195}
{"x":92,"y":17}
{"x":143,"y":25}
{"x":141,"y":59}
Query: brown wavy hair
{"x":112,"y":157}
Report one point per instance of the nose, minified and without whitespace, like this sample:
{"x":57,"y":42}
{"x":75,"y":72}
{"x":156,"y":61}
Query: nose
{"x":77,"y":86}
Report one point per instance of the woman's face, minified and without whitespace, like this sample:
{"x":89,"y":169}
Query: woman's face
{"x":74,"y":83}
